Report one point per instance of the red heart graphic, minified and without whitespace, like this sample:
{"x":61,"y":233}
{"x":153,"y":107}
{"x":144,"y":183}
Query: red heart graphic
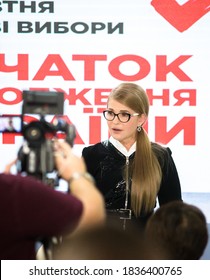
{"x":181,"y":16}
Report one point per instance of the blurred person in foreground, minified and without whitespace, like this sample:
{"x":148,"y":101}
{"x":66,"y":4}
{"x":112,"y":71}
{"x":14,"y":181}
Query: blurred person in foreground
{"x":31,"y":211}
{"x":179,"y":228}
{"x":107,"y":242}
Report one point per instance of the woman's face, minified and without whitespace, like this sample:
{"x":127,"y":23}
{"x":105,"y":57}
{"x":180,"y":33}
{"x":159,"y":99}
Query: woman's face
{"x":125,"y":133}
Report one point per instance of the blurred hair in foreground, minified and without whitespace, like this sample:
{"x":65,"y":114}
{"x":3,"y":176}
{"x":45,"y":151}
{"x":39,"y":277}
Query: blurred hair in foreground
{"x":107,"y":242}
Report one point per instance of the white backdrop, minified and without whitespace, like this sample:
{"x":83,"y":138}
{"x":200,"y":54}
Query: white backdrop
{"x":85,"y":48}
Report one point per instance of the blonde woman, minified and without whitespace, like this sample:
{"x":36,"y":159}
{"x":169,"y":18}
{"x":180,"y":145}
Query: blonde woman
{"x":129,"y":169}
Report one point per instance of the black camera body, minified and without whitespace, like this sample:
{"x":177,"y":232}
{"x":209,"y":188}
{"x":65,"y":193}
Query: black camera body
{"x":36,"y":155}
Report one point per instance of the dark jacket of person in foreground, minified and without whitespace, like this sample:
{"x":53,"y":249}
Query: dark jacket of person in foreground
{"x":30,"y":211}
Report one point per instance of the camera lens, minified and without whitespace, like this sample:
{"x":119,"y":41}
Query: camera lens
{"x":34,"y":133}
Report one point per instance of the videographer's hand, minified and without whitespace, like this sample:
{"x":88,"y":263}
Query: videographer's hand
{"x":66,"y":162}
{"x":8,"y":167}
{"x":73,"y":169}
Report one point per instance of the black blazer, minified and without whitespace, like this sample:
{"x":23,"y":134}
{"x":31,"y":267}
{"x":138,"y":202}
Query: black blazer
{"x":106,"y":164}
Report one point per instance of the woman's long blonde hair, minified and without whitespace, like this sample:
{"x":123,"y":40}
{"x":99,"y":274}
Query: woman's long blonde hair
{"x":146,"y":171}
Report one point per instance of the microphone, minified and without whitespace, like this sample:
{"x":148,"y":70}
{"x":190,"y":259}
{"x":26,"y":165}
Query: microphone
{"x":60,"y":125}
{"x":69,"y":129}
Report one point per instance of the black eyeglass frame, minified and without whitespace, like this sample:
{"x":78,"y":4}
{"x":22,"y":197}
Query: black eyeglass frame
{"x":117,"y":115}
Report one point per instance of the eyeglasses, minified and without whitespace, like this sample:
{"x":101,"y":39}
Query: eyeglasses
{"x":122,"y":117}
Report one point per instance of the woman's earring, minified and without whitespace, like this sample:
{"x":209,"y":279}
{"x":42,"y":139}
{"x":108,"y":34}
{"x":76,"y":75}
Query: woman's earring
{"x":139,"y":128}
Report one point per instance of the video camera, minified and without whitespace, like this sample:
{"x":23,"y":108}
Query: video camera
{"x":36,"y":156}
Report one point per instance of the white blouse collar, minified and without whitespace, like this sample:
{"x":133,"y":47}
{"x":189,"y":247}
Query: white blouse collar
{"x":121,"y":148}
